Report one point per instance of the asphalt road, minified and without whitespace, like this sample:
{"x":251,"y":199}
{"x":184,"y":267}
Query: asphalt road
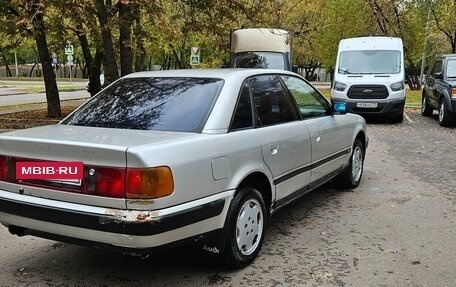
{"x":396,"y":229}
{"x":25,"y":98}
{"x":15,"y":92}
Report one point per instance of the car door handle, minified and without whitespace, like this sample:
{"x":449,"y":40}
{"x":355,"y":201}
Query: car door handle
{"x":274,"y":148}
{"x":317,"y":137}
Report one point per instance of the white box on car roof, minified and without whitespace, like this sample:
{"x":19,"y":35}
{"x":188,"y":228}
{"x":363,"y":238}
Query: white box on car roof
{"x":371,"y":43}
{"x":260,"y":40}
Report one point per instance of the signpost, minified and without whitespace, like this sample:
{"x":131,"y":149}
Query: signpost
{"x":69,"y":49}
{"x":54,"y":63}
{"x":195,"y":57}
{"x":69,"y":53}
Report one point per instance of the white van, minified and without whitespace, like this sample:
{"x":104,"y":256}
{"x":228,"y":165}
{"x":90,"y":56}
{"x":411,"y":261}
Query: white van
{"x":261,"y":48}
{"x":369,"y":76}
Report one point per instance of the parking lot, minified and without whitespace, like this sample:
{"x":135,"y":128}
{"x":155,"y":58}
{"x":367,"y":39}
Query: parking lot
{"x":396,"y":229}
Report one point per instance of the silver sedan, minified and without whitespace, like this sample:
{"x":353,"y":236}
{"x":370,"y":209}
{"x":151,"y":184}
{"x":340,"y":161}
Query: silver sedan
{"x":171,"y":157}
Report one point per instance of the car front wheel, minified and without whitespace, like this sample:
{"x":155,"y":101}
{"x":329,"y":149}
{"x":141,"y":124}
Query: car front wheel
{"x":246,"y":226}
{"x":351,"y":175}
{"x":445,"y":116}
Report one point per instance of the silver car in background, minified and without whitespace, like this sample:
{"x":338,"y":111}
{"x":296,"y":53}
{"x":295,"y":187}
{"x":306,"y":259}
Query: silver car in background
{"x":177,"y":156}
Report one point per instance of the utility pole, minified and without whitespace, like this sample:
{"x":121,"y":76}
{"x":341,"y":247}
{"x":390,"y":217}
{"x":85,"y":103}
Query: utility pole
{"x":424,"y":45}
{"x":15,"y":61}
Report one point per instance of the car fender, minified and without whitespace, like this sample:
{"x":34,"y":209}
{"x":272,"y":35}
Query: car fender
{"x":216,"y":244}
{"x":360,"y":128}
{"x":445,"y":96}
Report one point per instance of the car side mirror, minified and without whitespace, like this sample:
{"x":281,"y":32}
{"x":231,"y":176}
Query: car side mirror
{"x":339,"y":108}
{"x":438,"y":76}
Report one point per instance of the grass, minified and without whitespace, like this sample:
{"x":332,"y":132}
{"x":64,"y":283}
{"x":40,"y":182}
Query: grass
{"x":41,"y":89}
{"x":412,"y":98}
{"x":22,"y":107}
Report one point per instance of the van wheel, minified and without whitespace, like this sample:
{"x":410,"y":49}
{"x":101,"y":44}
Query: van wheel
{"x":399,"y":118}
{"x":246,"y":228}
{"x":350,"y":177}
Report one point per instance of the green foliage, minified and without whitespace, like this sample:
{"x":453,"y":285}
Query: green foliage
{"x":164,"y":31}
{"x":341,"y":19}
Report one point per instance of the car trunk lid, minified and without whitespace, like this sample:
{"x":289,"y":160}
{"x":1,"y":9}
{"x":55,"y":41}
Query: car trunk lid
{"x":102,"y":152}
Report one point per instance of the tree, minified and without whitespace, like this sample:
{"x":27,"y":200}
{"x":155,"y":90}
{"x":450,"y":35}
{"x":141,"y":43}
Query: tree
{"x":393,"y":18}
{"x":30,"y":18}
{"x":110,"y":62}
{"x":340,"y":19}
{"x":443,"y":12}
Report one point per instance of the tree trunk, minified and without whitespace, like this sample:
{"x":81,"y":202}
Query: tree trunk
{"x":8,"y":71}
{"x":93,"y":65}
{"x":52,"y":92}
{"x":126,"y":55}
{"x":76,"y":62}
{"x":140,"y":54}
{"x":111,"y":72}
{"x":413,"y":75}
{"x":453,"y":44}
{"x":94,"y":73}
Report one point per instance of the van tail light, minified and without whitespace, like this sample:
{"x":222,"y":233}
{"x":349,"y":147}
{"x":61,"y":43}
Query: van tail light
{"x":149,"y":183}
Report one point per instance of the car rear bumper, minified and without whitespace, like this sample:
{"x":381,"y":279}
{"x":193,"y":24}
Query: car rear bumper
{"x":116,"y":227}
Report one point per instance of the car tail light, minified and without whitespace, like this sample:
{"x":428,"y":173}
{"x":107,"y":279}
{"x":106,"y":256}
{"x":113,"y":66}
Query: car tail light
{"x":453,"y":93}
{"x":104,"y":181}
{"x":114,"y":182}
{"x":3,"y":168}
{"x":149,"y":183}
{"x":135,"y":183}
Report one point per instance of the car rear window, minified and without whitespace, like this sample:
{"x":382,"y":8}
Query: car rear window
{"x":168,"y":104}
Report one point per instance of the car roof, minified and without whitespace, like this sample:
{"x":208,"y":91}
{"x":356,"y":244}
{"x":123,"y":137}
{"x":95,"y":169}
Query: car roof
{"x":206,"y":73}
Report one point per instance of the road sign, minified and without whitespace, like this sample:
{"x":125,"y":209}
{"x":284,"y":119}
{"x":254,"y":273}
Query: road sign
{"x":195,"y":50}
{"x":194,"y":60}
{"x":69,"y":49}
{"x":195,"y":56}
{"x":69,"y":58}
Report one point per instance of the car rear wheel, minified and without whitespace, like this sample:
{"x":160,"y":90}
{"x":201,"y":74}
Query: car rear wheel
{"x":246,"y":226}
{"x":426,"y":109}
{"x":445,"y":116}
{"x":351,"y":175}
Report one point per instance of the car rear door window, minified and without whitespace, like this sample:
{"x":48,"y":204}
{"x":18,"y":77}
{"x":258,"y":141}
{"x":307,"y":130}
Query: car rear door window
{"x":273,"y":105}
{"x":243,"y":117}
{"x":310,"y":102}
{"x":168,"y":104}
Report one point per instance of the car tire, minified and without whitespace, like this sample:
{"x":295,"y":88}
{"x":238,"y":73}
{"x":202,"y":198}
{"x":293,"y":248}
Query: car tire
{"x":426,"y":109}
{"x":350,"y":177}
{"x":445,"y":117}
{"x":246,"y":228}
